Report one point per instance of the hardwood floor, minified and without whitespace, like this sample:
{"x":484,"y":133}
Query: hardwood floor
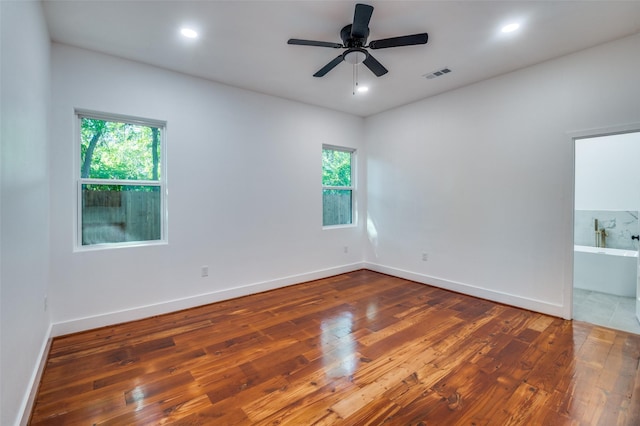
{"x":355,"y":349}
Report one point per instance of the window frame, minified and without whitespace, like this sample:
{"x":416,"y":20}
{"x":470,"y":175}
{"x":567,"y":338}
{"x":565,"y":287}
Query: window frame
{"x":161,"y":183}
{"x":352,"y":187}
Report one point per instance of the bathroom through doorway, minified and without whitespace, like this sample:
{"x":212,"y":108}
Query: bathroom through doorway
{"x":606,"y":230}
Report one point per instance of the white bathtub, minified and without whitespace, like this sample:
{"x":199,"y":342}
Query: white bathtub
{"x":606,"y":270}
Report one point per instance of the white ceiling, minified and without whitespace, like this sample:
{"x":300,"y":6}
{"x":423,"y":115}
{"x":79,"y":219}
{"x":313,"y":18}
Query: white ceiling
{"x":244,"y":43}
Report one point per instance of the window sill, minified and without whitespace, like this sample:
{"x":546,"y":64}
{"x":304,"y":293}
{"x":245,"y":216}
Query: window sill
{"x":113,"y":246}
{"x":351,"y":225}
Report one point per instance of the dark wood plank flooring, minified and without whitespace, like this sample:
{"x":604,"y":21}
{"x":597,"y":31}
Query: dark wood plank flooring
{"x":356,"y":349}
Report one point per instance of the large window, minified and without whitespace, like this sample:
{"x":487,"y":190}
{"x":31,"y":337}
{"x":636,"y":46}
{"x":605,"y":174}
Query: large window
{"x":337,"y":186}
{"x":121,"y":185}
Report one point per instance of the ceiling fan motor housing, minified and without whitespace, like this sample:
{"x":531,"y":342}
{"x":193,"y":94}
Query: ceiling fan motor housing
{"x":350,"y":41}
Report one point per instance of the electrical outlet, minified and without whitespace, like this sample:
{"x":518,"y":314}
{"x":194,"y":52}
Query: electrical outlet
{"x":204,"y":271}
{"x":425,"y":257}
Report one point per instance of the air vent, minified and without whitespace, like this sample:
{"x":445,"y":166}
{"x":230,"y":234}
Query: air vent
{"x":438,"y":73}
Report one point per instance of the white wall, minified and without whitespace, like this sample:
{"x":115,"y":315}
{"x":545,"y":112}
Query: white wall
{"x":482,"y":178}
{"x":608,"y":172}
{"x":24,"y":218}
{"x":244,"y":178}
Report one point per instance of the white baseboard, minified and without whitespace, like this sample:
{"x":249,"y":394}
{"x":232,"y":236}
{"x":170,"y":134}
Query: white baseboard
{"x":34,"y":382}
{"x":483,"y":293}
{"x":111,"y":318}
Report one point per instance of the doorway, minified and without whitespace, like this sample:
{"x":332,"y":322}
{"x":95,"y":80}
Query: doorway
{"x":606,"y":230}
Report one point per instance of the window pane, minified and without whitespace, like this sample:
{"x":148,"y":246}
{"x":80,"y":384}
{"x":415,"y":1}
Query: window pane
{"x":336,"y":167}
{"x":114,"y":150}
{"x":336,"y":207}
{"x":120,"y":213}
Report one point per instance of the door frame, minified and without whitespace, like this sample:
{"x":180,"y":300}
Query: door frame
{"x":569,"y":234}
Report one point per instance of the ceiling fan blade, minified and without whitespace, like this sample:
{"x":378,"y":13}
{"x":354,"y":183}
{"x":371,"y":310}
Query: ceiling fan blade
{"x":376,"y":67}
{"x":361,"y":18}
{"x":314,"y":43}
{"x":331,"y":65}
{"x":408,"y":40}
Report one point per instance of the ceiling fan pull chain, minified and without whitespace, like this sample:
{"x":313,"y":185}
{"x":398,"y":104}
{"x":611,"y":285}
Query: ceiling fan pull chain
{"x":355,"y":79}
{"x":353,"y":85}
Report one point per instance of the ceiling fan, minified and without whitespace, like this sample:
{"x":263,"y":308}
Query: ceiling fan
{"x":354,"y":39}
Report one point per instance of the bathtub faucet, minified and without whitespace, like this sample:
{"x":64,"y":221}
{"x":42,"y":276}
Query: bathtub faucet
{"x":601,"y":238}
{"x":601,"y":235}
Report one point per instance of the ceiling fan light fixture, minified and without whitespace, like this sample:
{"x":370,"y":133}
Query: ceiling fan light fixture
{"x":355,"y":56}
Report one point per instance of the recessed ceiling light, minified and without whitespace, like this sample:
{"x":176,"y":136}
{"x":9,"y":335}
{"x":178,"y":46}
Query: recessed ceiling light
{"x":363,"y":89}
{"x":189,"y":33}
{"x":510,"y":28}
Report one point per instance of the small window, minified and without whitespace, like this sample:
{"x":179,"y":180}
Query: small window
{"x":337,"y":186}
{"x":121,"y":185}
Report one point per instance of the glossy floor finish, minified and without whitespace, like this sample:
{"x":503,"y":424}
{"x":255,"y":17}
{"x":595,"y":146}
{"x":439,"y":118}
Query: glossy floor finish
{"x":355,"y":349}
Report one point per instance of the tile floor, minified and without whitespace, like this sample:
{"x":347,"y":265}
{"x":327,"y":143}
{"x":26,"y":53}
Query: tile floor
{"x":606,"y":310}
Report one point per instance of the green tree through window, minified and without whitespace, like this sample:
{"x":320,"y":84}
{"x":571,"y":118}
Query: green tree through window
{"x":337,"y":186}
{"x":115,"y":150}
{"x":121,"y":194}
